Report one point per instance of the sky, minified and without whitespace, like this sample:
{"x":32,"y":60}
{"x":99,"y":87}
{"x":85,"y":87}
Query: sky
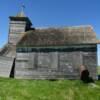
{"x":52,"y":13}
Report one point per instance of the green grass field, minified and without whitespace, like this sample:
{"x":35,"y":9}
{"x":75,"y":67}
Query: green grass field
{"x":98,"y":70}
{"x":12,"y":89}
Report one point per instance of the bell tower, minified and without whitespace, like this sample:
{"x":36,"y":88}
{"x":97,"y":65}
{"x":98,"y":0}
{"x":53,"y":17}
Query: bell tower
{"x":18,"y":26}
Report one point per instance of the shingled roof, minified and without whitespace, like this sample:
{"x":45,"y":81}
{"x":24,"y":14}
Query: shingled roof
{"x":59,"y":36}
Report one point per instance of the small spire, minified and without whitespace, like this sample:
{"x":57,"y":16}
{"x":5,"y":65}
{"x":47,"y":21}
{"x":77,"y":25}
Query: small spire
{"x":22,"y":7}
{"x":21,"y":14}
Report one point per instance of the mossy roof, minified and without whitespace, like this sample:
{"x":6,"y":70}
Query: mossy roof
{"x":59,"y":36}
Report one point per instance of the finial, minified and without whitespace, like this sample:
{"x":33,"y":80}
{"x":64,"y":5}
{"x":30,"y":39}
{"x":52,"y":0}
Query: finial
{"x":21,"y":14}
{"x":22,"y":7}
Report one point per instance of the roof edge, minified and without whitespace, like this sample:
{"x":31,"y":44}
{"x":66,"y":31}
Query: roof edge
{"x":20,"y":18}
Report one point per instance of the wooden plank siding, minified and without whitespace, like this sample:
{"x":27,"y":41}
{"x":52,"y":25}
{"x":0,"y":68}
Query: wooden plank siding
{"x":55,"y":64}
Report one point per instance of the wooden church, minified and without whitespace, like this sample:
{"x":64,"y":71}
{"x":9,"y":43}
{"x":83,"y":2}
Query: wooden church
{"x":50,"y":53}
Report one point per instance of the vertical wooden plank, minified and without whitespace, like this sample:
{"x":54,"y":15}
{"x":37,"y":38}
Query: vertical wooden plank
{"x":54,"y":60}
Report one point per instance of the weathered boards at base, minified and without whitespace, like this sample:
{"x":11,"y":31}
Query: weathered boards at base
{"x":50,"y":53}
{"x":6,"y":64}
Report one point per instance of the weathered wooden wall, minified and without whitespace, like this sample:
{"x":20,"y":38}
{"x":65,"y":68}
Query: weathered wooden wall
{"x":5,"y":66}
{"x":56,"y":65}
{"x":16,"y":30}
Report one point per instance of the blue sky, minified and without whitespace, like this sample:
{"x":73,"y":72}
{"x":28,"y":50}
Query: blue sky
{"x":52,"y":13}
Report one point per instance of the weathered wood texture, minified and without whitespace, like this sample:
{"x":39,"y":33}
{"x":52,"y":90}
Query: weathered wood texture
{"x":57,"y":64}
{"x":8,"y":51}
{"x":16,"y":31}
{"x":5,"y":66}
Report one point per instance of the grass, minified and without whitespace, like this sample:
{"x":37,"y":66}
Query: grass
{"x":12,"y":89}
{"x":98,"y":70}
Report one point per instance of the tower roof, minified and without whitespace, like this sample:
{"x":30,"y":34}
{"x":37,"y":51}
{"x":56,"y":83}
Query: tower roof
{"x":21,"y":16}
{"x":17,"y":18}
